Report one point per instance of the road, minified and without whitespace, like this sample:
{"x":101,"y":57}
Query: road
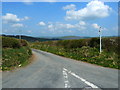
{"x":52,"y":71}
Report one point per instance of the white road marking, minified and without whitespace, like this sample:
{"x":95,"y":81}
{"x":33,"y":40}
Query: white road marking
{"x":82,"y":79}
{"x":66,"y":82}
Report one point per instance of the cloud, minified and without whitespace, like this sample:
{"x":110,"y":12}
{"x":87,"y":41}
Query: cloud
{"x":48,"y":1}
{"x":41,"y":24}
{"x":66,"y":26}
{"x":18,"y":25}
{"x":96,"y":26}
{"x":82,"y":23}
{"x":93,"y":10}
{"x":69,"y":26}
{"x":28,"y":2}
{"x":59,"y":27}
{"x":70,"y":7}
{"x":62,"y":26}
{"x":25,"y":18}
{"x":10,"y":17}
{"x":50,"y":26}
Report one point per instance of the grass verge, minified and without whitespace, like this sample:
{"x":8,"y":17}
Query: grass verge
{"x":12,"y":58}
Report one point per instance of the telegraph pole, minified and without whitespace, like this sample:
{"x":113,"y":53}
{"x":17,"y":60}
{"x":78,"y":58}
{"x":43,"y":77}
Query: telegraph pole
{"x":100,"y":33}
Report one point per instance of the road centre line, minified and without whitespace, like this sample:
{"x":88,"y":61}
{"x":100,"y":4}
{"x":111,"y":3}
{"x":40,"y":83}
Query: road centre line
{"x":82,"y":79}
{"x":66,"y":82}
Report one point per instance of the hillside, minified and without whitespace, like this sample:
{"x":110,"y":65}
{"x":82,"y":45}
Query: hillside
{"x":71,"y":37}
{"x":31,"y":39}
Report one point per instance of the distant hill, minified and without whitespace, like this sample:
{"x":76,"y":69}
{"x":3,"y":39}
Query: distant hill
{"x":80,"y":37}
{"x":71,"y":37}
{"x":31,"y":39}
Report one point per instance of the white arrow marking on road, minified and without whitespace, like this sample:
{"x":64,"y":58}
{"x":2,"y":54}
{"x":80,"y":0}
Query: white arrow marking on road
{"x":82,"y":79}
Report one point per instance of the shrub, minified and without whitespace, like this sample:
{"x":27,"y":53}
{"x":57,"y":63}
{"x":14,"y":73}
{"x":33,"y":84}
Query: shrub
{"x":23,"y":42}
{"x":110,"y":44}
{"x":94,"y":42}
{"x":72,"y":43}
{"x":8,"y":42}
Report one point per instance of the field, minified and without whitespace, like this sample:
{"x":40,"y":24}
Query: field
{"x":86,"y":50}
{"x":15,"y":53}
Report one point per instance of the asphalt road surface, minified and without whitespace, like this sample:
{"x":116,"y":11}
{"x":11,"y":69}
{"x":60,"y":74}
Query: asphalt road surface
{"x":52,"y":71}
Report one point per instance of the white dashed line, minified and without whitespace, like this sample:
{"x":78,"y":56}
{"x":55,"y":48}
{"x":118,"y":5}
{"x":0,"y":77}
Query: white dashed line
{"x":82,"y":79}
{"x":66,"y":82}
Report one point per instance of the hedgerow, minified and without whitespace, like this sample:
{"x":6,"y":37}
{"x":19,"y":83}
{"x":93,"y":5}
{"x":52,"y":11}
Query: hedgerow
{"x":15,"y":53}
{"x":85,"y":50}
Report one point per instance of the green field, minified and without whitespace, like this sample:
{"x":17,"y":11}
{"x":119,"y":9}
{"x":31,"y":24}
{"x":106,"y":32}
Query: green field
{"x":15,"y":53}
{"x":86,"y":50}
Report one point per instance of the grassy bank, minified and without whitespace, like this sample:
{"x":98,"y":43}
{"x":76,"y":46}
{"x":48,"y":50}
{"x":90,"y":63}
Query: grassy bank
{"x":15,"y":53}
{"x":86,"y":50}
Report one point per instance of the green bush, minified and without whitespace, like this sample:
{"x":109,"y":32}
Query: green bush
{"x":94,"y":42}
{"x":23,"y":42}
{"x":72,"y":43}
{"x":110,"y":44}
{"x":8,"y":42}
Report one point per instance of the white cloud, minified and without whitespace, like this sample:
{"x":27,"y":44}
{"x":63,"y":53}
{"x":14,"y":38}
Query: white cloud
{"x":17,"y":25}
{"x":70,"y":7}
{"x":25,"y":18}
{"x":48,"y":1}
{"x":66,"y":26}
{"x":82,"y":23}
{"x":41,"y":24}
{"x":96,"y":26}
{"x":10,"y":17}
{"x":28,"y":2}
{"x":62,"y":26}
{"x":93,"y":10}
{"x":50,"y":26}
{"x":69,"y":26}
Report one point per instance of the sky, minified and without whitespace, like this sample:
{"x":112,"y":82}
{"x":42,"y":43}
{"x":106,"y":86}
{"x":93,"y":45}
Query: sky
{"x":53,"y":19}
